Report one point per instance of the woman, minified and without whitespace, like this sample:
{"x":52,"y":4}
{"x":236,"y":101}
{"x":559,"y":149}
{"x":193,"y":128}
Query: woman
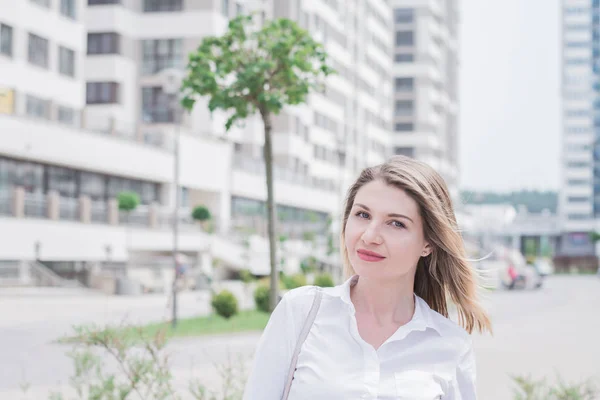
{"x":385,"y":332}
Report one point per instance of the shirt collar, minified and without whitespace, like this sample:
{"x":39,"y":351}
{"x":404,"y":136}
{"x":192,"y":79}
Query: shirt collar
{"x":421,"y":320}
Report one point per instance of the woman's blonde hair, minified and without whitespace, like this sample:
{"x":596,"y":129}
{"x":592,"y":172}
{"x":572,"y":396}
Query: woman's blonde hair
{"x":446,"y":271}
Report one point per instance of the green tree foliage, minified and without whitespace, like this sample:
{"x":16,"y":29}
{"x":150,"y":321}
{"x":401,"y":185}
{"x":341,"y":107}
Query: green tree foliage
{"x":252,"y":70}
{"x":128,"y":201}
{"x":201,"y":213}
{"x":535,"y":201}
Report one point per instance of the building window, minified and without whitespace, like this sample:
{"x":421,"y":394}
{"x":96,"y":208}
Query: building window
{"x":404,"y":57}
{"x":163,"y":5}
{"x":225,"y":7}
{"x":6,"y":40}
{"x":404,"y":151}
{"x":579,"y":217}
{"x":405,"y":38}
{"x":66,"y":115}
{"x":404,"y":84}
{"x":578,"y":182}
{"x":38,"y":51}
{"x":578,"y":164}
{"x":155,"y":106}
{"x":404,"y":15}
{"x":160,"y":54}
{"x":93,"y":185}
{"x":37,"y":108}
{"x":66,"y":61}
{"x":99,"y":2}
{"x":404,"y":107}
{"x":67,"y":8}
{"x":63,"y":180}
{"x":578,"y":199}
{"x":103,"y":43}
{"x":404,"y":127}
{"x":102,"y":93}
{"x":239,"y":9}
{"x":43,"y":3}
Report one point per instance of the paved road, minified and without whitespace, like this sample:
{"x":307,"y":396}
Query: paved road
{"x":556,"y":329}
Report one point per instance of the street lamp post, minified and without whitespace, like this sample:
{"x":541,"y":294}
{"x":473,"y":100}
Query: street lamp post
{"x":171,"y":85}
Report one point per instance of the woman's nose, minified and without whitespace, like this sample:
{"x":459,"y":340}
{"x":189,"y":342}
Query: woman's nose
{"x":372,"y":234}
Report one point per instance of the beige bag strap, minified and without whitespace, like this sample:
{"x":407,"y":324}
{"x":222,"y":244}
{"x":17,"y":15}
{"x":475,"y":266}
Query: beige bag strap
{"x":310,"y":319}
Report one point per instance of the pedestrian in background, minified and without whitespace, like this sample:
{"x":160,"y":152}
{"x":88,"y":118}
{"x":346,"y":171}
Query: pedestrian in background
{"x":384,"y":333}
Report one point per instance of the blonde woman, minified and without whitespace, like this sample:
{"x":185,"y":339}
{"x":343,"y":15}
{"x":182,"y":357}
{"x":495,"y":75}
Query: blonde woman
{"x":384,"y":333}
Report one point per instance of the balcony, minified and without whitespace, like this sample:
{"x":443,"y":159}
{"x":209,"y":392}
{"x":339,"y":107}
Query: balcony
{"x":51,"y":206}
{"x":57,"y":115}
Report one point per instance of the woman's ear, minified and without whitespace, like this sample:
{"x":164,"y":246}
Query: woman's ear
{"x":426,"y":250}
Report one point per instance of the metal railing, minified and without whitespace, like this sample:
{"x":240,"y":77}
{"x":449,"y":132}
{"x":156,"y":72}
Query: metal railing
{"x":6,"y":198}
{"x":9,"y":270}
{"x":44,"y":276}
{"x":68,"y":209}
{"x":99,"y":211}
{"x":36,"y":205}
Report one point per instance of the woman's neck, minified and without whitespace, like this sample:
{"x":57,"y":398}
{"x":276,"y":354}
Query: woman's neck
{"x":387,"y":302}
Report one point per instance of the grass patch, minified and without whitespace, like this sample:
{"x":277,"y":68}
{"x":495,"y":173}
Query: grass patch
{"x":247,"y":320}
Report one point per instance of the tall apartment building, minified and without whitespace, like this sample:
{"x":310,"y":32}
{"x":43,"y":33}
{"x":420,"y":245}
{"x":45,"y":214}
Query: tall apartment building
{"x":579,"y":200}
{"x":83,"y":117}
{"x":426,"y":84}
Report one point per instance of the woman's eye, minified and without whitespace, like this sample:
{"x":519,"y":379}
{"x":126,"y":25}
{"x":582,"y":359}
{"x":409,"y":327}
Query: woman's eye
{"x":398,"y":224}
{"x":362,"y":214}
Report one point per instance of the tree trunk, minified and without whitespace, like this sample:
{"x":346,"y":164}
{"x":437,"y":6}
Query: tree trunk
{"x":268,"y":155}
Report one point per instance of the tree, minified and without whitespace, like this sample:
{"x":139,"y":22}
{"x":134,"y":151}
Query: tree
{"x":128,"y":201}
{"x":249,"y":70}
{"x":202,"y":214}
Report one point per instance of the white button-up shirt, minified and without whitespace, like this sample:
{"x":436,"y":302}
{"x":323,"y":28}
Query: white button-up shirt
{"x":428,"y":358}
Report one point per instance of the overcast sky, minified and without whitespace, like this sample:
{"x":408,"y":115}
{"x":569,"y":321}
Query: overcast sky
{"x":509,"y":94}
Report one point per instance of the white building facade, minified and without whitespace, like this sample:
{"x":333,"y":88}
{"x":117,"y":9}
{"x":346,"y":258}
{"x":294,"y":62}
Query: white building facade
{"x":426,"y":101}
{"x":579,"y":200}
{"x":83,"y":118}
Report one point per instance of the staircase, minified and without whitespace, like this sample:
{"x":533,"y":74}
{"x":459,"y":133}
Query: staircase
{"x":41,"y":275}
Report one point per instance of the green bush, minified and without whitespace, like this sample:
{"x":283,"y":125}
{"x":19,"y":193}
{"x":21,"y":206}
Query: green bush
{"x":246,"y":276}
{"x":266,"y":281}
{"x":324,"y":280}
{"x":294,"y":281}
{"x":225,"y":304}
{"x":308,"y":265}
{"x":261,"y":298}
{"x":530,"y":389}
{"x":128,"y":201}
{"x":201,"y":213}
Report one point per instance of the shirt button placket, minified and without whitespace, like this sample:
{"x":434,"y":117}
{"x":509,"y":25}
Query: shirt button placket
{"x":372,"y":374}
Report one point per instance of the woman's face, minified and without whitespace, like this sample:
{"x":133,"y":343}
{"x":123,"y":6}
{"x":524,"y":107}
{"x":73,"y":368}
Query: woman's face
{"x":384,"y":233}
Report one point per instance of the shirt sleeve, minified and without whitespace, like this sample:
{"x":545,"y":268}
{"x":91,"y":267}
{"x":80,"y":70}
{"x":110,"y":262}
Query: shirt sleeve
{"x":463,"y":387}
{"x":273,"y":355}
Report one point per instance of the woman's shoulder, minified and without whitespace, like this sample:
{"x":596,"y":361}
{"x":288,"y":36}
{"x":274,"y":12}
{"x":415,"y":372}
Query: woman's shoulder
{"x":445,"y":326}
{"x":301,"y":293}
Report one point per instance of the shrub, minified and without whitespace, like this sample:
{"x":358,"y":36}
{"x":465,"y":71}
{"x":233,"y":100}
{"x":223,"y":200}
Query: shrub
{"x":128,"y":201}
{"x":324,"y":280}
{"x":246,"y":276}
{"x":530,"y":389}
{"x":261,"y":298}
{"x":294,"y":281}
{"x":225,"y":304}
{"x":308,"y":264}
{"x":201,"y":213}
{"x":143,"y":368}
